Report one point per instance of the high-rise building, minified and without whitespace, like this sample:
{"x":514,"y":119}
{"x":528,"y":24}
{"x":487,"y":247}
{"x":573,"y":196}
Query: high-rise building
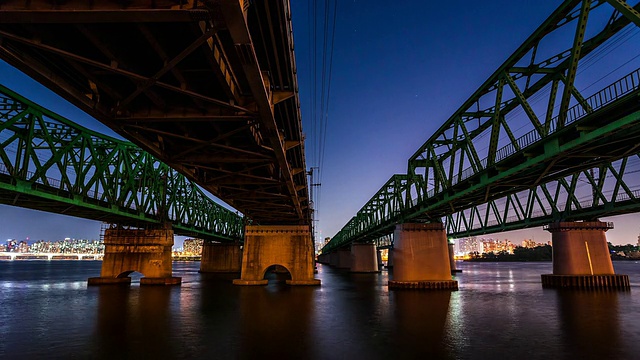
{"x":23,"y":247}
{"x":12,"y":245}
{"x":467,"y":246}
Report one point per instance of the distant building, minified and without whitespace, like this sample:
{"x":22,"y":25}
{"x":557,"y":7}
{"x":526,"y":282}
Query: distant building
{"x":471,"y":245}
{"x":12,"y":245}
{"x":70,"y":246}
{"x":23,"y":247}
{"x":468,"y":245}
{"x":529,"y":243}
{"x":192,"y":247}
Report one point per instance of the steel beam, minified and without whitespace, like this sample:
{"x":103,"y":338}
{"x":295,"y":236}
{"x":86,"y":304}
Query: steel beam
{"x":49,"y":163}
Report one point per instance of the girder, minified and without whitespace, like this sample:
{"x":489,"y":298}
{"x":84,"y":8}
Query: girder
{"x":498,"y":143}
{"x":49,"y":163}
{"x":190,"y":82}
{"x":608,"y":190}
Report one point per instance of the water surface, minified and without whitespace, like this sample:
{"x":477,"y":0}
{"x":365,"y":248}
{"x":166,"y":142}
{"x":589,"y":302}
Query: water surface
{"x":501,"y":311}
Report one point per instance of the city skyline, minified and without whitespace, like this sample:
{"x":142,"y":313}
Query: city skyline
{"x":58,"y":227}
{"x":393,"y":86}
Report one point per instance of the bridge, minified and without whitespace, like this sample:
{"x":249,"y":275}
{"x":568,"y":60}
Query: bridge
{"x":52,"y":164}
{"x":49,"y":163}
{"x":208,"y":88}
{"x":503,"y":161}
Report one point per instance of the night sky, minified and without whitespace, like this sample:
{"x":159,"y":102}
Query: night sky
{"x":400,"y":69}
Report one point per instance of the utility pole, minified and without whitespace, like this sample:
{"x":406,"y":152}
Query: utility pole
{"x":311,"y":204}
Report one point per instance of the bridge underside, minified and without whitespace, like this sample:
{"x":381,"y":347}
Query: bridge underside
{"x":186,"y":82}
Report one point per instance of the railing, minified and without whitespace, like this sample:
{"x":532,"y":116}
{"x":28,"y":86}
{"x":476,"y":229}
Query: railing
{"x":604,"y":97}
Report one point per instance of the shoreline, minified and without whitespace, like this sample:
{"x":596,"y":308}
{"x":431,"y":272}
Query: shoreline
{"x":73,"y":257}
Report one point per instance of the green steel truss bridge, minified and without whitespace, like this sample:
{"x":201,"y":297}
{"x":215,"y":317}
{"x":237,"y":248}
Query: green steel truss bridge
{"x":535,"y":143}
{"x":49,"y":163}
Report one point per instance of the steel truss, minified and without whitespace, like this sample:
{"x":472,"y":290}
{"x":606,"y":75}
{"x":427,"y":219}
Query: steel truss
{"x":501,"y":142}
{"x":610,"y":189}
{"x":208,"y":87}
{"x":49,"y":163}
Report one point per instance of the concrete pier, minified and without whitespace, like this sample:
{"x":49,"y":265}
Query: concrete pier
{"x":324,"y":259}
{"x":289,"y":246}
{"x":344,"y":259}
{"x":221,"y":258}
{"x":581,"y":257}
{"x":364,"y":258}
{"x":333,"y":258}
{"x":421,"y":257}
{"x":145,"y":251}
{"x":452,"y":260}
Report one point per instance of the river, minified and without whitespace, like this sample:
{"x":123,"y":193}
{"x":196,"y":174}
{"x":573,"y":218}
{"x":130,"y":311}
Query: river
{"x":500,"y":312}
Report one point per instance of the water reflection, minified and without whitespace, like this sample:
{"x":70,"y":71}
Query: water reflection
{"x":590,"y":324}
{"x":216,"y":316}
{"x":351,"y":316}
{"x":354,"y":316}
{"x":154,"y":321}
{"x":275,"y":321}
{"x":134,"y":321}
{"x":420,"y":322}
{"x":111,"y":330}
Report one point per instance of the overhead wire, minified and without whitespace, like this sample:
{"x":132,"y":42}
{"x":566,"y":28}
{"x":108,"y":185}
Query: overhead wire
{"x":325,"y":112}
{"x":321,"y":32}
{"x":323,"y":77}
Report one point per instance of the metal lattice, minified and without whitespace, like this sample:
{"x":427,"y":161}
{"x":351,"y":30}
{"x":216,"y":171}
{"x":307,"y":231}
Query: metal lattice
{"x":49,"y":163}
{"x":528,"y":127}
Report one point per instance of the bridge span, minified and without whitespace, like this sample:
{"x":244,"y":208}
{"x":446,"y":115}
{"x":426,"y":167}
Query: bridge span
{"x":49,"y":163}
{"x":207,"y":87}
{"x":503,"y":161}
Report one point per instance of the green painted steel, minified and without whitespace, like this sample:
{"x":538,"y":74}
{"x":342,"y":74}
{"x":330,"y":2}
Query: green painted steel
{"x":49,"y":163}
{"x":607,"y":190}
{"x":500,"y":142}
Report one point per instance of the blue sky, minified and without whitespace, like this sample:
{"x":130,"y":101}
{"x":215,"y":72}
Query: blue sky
{"x":399,"y":71}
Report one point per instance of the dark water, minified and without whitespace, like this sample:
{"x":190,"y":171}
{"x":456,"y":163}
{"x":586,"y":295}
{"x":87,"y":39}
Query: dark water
{"x":500,"y":312}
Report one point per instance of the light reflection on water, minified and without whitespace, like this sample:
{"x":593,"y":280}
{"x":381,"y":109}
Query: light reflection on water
{"x":501,"y":310}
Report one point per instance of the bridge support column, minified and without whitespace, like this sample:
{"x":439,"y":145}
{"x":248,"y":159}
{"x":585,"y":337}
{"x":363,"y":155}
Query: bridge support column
{"x":344,"y":259}
{"x":141,"y":250}
{"x":364,"y":258}
{"x":452,"y":260}
{"x":333,"y":258}
{"x":390,"y":259}
{"x":581,"y":257}
{"x":287,"y":245}
{"x":220,"y":258}
{"x":421,"y":257}
{"x":324,"y":259}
